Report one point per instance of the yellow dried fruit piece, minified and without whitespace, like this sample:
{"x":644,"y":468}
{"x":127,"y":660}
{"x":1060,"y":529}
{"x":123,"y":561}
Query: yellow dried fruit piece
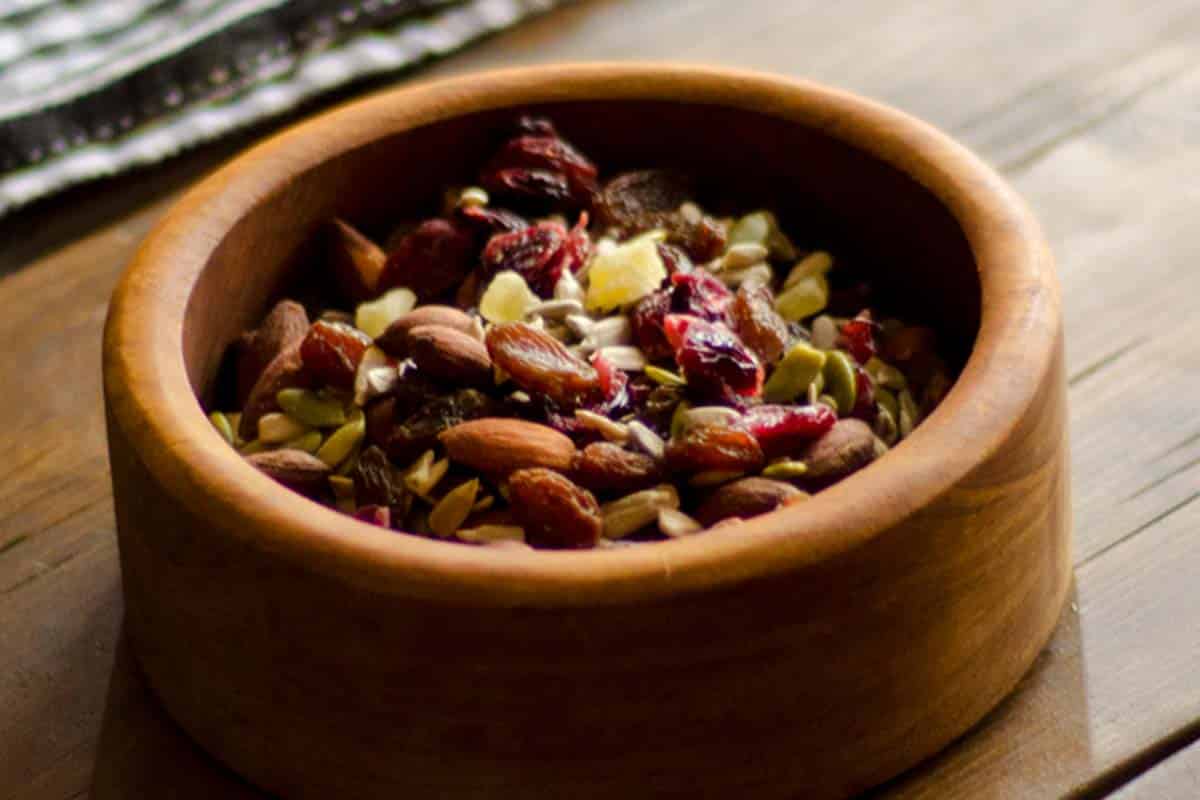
{"x":453,"y":509}
{"x":840,"y":381}
{"x":374,"y":316}
{"x":223,"y":426}
{"x":799,"y":367}
{"x":806,"y":297}
{"x":625,"y":274}
{"x":507,"y":298}
{"x":342,"y":442}
{"x":310,"y":408}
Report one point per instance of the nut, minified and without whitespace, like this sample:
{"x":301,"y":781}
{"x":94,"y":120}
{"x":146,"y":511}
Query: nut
{"x":746,"y":498}
{"x":449,"y":354}
{"x":394,"y":340}
{"x":846,"y":447}
{"x":498,"y":446}
{"x":283,"y":327}
{"x":294,"y":469}
{"x":603,"y":467}
{"x":635,"y":511}
{"x":285,"y":371}
{"x":356,"y":261}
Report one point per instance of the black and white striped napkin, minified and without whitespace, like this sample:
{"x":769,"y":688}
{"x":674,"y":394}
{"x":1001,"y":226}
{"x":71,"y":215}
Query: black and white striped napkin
{"x":94,"y":87}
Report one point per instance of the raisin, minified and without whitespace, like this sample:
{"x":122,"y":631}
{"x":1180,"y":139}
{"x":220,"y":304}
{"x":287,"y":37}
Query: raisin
{"x":637,"y":201}
{"x":703,"y":239}
{"x":374,"y":482}
{"x":714,"y":360}
{"x":704,"y":448}
{"x":758,"y":323}
{"x":539,"y":166}
{"x":489,"y":219}
{"x":553,"y":510}
{"x":542,"y":365}
{"x":532,"y":253}
{"x":331,"y":352}
{"x":858,"y":337}
{"x":608,"y":467}
{"x":647,"y":321}
{"x":782,"y":430}
{"x":431,"y":259}
{"x":419,"y":431}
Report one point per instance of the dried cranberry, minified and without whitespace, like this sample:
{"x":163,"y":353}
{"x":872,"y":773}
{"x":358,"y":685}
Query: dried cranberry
{"x":489,"y":219}
{"x":781,"y":430}
{"x":705,"y":448}
{"x":376,"y":515}
{"x":532,"y":183}
{"x":864,"y":396}
{"x":647,"y":321}
{"x":331,"y":352}
{"x":758,"y":323}
{"x":674,"y":259}
{"x":858,"y":337}
{"x":714,"y":360}
{"x":431,"y":259}
{"x":613,"y":383}
{"x":542,"y":365}
{"x":533,"y":253}
{"x":701,"y":295}
{"x":575,"y":251}
{"x":540,"y":165}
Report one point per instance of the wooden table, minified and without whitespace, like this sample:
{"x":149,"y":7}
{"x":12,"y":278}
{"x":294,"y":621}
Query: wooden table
{"x":1092,"y":110}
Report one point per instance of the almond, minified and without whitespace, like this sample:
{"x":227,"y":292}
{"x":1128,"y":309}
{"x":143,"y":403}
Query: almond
{"x":286,"y":371}
{"x":746,"y":498}
{"x":394,"y":340}
{"x":294,"y":469}
{"x":356,"y":261}
{"x":283,"y":326}
{"x":846,"y":447}
{"x":451,"y":355}
{"x":498,"y":446}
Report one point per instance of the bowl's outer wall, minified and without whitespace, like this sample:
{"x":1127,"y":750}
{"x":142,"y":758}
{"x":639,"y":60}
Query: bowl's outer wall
{"x":818,"y":679}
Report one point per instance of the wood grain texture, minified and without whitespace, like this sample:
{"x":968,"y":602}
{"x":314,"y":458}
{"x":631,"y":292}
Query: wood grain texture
{"x":1090,"y":110}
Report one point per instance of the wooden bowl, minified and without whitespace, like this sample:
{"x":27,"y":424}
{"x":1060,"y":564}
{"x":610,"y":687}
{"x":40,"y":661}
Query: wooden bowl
{"x":811,"y":652}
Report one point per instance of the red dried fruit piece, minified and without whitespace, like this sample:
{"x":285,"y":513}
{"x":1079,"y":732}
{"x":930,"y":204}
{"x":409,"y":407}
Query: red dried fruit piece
{"x":542,"y":365}
{"x":701,"y":295}
{"x":431,"y":259}
{"x":704,"y":448}
{"x":553,"y":510}
{"x":713,"y":359}
{"x":782,"y":430}
{"x":758,"y":323}
{"x":858,"y":337}
{"x":331,"y":352}
{"x":647,"y":321}
{"x":642,"y":199}
{"x":575,"y":251}
{"x":864,"y":396}
{"x":540,"y":165}
{"x":538,"y":184}
{"x":376,"y":515}
{"x":608,"y":467}
{"x":674,"y":259}
{"x":489,"y":219}
{"x":533,"y":253}
{"x":612,"y":384}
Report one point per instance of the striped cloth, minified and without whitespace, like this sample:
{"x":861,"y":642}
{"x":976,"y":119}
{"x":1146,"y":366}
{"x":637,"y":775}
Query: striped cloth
{"x":94,"y":87}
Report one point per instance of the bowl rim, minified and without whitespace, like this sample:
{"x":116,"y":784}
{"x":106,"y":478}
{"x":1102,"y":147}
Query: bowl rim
{"x":151,"y":400}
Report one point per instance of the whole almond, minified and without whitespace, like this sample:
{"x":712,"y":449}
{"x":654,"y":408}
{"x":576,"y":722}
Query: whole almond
{"x":286,"y":371}
{"x":355,"y":260}
{"x":846,"y":447}
{"x":746,"y":498}
{"x":451,"y":355}
{"x":604,"y":466}
{"x":294,"y":469}
{"x":498,"y":446}
{"x":394,"y":340}
{"x":285,"y":325}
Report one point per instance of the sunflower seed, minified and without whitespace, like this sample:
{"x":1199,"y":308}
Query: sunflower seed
{"x":663,"y":377}
{"x":452,"y":510}
{"x":610,"y":429}
{"x":579,"y":324}
{"x":556,"y":309}
{"x":568,"y":288}
{"x":492,"y":534}
{"x":646,"y":440}
{"x":824,"y":332}
{"x":709,"y":415}
{"x":714,"y":477}
{"x":624,"y":357}
{"x":635,"y":511}
{"x":756,"y":275}
{"x":424,"y":474}
{"x":674,"y":523}
{"x":742,"y":255}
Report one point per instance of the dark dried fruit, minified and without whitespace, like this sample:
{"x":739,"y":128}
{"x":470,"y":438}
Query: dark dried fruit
{"x":700,"y":294}
{"x":285,"y":325}
{"x":784,"y":430}
{"x":714,"y":360}
{"x":703,"y":239}
{"x":539,"y":253}
{"x":858,"y":337}
{"x":647,"y":321}
{"x":675,"y":259}
{"x":846,"y":447}
{"x":746,"y":498}
{"x":432,"y":259}
{"x":705,"y":448}
{"x":419,"y":431}
{"x":332,"y":352}
{"x":539,"y":165}
{"x":489,"y":220}
{"x":640,"y":200}
{"x":758,"y":324}
{"x":554,"y":511}
{"x":374,"y":480}
{"x":542,"y":365}
{"x":608,"y":467}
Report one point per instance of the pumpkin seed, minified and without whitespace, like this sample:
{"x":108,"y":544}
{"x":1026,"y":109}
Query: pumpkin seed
{"x":491,"y":534}
{"x":815,"y":263}
{"x":885,"y":426}
{"x":452,"y":510}
{"x":887,"y":400}
{"x":663,"y":377}
{"x":309,"y":408}
{"x":908,"y":413}
{"x":885,"y":375}
{"x":785,"y":468}
{"x":803,"y":299}
{"x":798,"y":369}
{"x":308,"y":442}
{"x":635,"y":511}
{"x":277,"y":427}
{"x":252,"y":447}
{"x":840,"y":381}
{"x":223,"y":426}
{"x":342,"y":442}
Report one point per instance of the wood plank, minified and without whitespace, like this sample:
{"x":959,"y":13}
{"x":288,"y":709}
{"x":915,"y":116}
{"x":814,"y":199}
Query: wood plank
{"x":1087,"y":112}
{"x":1177,"y":778}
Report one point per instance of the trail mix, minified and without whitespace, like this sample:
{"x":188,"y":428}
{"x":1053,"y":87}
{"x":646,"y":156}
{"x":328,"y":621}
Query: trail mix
{"x":558,"y":361}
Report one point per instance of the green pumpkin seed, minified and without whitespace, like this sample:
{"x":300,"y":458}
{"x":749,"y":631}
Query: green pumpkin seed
{"x":885,"y":375}
{"x":663,"y":377}
{"x":806,"y":297}
{"x":840,"y":381}
{"x":798,"y":369}
{"x":342,"y":442}
{"x":909,"y":414}
{"x":223,"y":426}
{"x":754,"y":228}
{"x":252,"y":447}
{"x":308,"y":442}
{"x":785,"y":468}
{"x":452,"y":510}
{"x":815,"y":263}
{"x":679,"y":418}
{"x":887,"y":400}
{"x":311,"y":409}
{"x":885,"y":426}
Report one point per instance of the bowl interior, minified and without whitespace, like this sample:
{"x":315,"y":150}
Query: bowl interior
{"x":880,"y":224}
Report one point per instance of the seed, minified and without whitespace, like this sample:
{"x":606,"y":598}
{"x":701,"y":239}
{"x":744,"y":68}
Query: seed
{"x":343,"y":493}
{"x":624,"y":357}
{"x":252,"y":447}
{"x":752,"y":228}
{"x":675,"y":524}
{"x":801,"y":365}
{"x":663,"y":377}
{"x":646,"y":440}
{"x":580,"y":324}
{"x":611,"y":430}
{"x":223,"y":426}
{"x":828,"y":401}
{"x":555,"y":309}
{"x":608,"y":332}
{"x":235,"y":421}
{"x":757,"y":275}
{"x":887,"y":401}
{"x":714,"y":477}
{"x":710,"y":415}
{"x":815,"y":263}
{"x":742,"y":255}
{"x":424,"y":473}
{"x":908,"y":413}
{"x":568,"y":288}
{"x":635,"y":511}
{"x":824,"y":333}
{"x":491,"y":534}
{"x":453,"y":509}
{"x":308,"y":408}
{"x":690,"y":212}
{"x":885,"y":426}
{"x":803,"y":299}
{"x":483,"y":503}
{"x":342,"y":442}
{"x":841,"y":382}
{"x":885,"y":375}
{"x":785,"y":468}
{"x":276,"y":427}
{"x":308,"y":442}
{"x":375,"y":377}
{"x":472,"y":196}
{"x":373,"y":317}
